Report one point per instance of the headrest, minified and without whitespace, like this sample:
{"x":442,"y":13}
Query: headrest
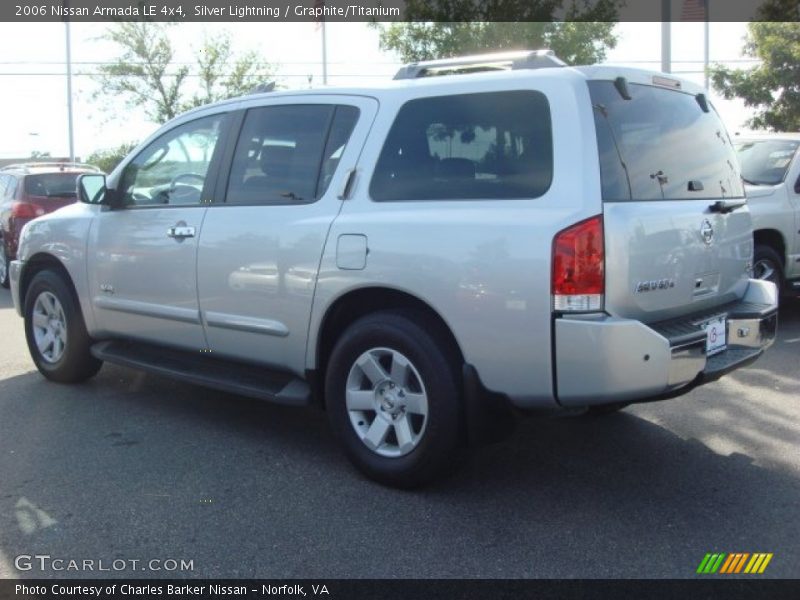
{"x":276,"y":159}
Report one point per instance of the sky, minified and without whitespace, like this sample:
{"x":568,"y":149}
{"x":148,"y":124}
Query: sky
{"x":33,"y":88}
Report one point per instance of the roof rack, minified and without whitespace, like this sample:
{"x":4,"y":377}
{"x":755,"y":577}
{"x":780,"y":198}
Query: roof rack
{"x":499,"y":61}
{"x":44,"y":165}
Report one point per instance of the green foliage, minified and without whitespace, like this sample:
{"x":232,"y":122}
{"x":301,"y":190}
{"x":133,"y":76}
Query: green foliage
{"x":444,"y":28}
{"x":145,"y":76}
{"x":772,"y":88}
{"x":224,"y":76}
{"x":109,"y":158}
{"x":779,"y":10}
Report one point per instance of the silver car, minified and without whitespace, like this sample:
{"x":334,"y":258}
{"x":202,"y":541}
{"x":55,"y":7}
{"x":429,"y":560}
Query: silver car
{"x":481,"y":236}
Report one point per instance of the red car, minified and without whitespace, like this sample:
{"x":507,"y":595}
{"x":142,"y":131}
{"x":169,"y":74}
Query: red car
{"x":28,"y":191}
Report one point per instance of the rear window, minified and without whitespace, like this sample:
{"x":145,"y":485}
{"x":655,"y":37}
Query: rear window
{"x":661,"y":145}
{"x":765,"y":162}
{"x":468,"y":146}
{"x":62,"y":185}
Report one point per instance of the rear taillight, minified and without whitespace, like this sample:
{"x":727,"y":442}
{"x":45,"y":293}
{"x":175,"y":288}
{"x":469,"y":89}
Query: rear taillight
{"x":26,"y":210}
{"x":578,"y":280}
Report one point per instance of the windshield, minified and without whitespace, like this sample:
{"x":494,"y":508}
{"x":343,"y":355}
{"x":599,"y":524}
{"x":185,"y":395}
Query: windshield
{"x":62,"y":185}
{"x":765,"y":162}
{"x":661,"y":145}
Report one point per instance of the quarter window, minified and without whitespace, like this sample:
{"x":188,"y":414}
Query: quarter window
{"x":489,"y":145}
{"x":173,"y":169}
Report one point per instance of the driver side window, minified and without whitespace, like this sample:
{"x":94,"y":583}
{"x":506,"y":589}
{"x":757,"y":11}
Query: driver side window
{"x":173,"y":168}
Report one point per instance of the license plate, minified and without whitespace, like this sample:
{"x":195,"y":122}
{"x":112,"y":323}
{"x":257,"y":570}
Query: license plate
{"x":716,"y":340}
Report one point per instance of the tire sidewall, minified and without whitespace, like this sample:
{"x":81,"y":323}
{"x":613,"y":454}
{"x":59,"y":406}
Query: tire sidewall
{"x":75,"y":358}
{"x":441,"y":435}
{"x":762,"y":252}
{"x":5,"y":279}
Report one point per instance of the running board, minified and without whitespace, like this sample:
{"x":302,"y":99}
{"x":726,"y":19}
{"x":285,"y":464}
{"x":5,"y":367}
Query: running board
{"x":225,"y":375}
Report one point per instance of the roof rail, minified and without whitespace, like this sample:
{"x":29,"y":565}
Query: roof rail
{"x":43,"y":165}
{"x":262,"y":88}
{"x":499,"y":61}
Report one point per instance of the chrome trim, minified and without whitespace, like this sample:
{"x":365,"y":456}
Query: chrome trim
{"x":248,"y":324}
{"x":147,"y":309}
{"x":753,"y":333}
{"x":686,"y":362}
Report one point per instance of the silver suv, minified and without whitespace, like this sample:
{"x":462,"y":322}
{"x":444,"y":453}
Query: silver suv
{"x":770,"y":166}
{"x":419,"y":258}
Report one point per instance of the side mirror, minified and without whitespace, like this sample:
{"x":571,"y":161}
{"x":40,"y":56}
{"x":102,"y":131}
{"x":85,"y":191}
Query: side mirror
{"x":92,"y":188}
{"x":797,"y":186}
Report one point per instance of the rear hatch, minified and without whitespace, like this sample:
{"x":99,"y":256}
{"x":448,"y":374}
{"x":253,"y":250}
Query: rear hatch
{"x":678,"y":233}
{"x":50,"y":191}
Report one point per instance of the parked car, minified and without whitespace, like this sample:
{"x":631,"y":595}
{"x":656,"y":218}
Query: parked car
{"x":419,"y":258}
{"x":771,"y":170}
{"x":30,"y":190}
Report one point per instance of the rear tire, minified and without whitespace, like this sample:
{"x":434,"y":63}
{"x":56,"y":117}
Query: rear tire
{"x":767,"y":265}
{"x":393,"y":398}
{"x":4,"y":281}
{"x":55,"y":330}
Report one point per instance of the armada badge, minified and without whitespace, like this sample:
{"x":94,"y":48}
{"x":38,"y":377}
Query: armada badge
{"x":655,"y":284}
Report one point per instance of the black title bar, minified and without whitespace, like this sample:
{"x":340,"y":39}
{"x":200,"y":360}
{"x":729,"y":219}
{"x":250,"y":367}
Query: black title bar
{"x":392,"y":10}
{"x":732,"y":588}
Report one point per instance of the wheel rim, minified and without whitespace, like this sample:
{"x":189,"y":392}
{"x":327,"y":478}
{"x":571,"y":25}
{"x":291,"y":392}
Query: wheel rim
{"x":49,"y":327}
{"x":386,"y":402}
{"x":766,"y":269}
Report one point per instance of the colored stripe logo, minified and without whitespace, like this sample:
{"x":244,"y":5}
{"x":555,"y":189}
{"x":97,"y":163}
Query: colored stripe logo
{"x":736,"y":562}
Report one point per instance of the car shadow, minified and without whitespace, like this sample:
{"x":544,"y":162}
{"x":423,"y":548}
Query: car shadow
{"x":156,"y":468}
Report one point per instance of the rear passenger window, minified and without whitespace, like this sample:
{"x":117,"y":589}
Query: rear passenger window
{"x":288,"y":154}
{"x":490,"y":145}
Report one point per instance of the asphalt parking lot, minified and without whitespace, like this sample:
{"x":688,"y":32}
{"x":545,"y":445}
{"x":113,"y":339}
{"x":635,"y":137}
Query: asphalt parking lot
{"x":137,"y":467}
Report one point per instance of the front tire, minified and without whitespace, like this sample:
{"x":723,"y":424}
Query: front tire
{"x":393,"y":398}
{"x":55,"y":330}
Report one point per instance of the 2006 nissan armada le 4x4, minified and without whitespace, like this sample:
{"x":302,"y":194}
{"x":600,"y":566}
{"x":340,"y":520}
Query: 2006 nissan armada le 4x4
{"x":479,"y":234}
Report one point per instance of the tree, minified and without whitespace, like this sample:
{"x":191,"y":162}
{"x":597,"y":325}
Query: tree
{"x":108,"y":158}
{"x":444,"y":28}
{"x":773,"y":87}
{"x":146,"y":77}
{"x":779,"y":10}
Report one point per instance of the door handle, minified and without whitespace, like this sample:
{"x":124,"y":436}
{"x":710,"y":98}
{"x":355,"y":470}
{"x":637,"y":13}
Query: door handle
{"x":180,"y":232}
{"x":726,"y":206}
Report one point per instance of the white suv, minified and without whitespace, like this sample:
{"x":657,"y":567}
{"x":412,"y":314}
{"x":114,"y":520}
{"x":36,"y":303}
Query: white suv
{"x":417,"y":257}
{"x":770,"y":166}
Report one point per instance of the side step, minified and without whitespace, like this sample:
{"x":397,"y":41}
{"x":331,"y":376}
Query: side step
{"x":225,"y":375}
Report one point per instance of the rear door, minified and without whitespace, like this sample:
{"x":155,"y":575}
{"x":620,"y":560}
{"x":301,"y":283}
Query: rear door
{"x":260,"y":249}
{"x":678,"y":234}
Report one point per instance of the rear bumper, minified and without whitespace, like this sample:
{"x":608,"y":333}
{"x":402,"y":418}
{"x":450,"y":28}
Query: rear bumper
{"x":603,"y":359}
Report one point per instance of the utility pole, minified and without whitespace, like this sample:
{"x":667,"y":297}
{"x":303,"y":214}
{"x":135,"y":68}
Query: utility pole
{"x":666,"y":36}
{"x":70,"y":131}
{"x":706,"y":43}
